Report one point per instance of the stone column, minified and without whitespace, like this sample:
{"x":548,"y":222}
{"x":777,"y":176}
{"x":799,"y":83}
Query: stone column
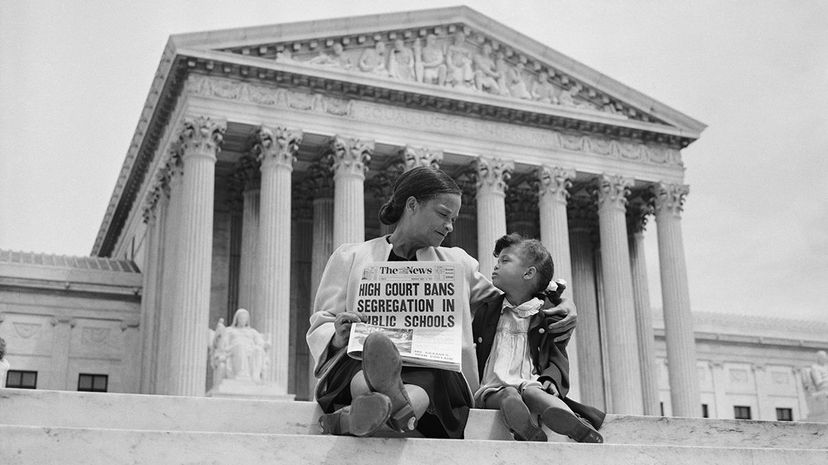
{"x":588,"y":342}
{"x":553,"y":183}
{"x":201,"y":139}
{"x":61,"y":340}
{"x":301,"y":298}
{"x":350,"y":159}
{"x":636,"y":222}
{"x":492,"y":176}
{"x":720,"y":386}
{"x":522,"y":211}
{"x":276,"y":150}
{"x":622,"y":343}
{"x":465,"y":234}
{"x":171,"y":214}
{"x":321,"y":184}
{"x":150,"y":270}
{"x":678,"y":320}
{"x":248,"y":174}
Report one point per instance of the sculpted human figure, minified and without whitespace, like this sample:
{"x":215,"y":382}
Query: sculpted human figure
{"x":486,"y":75}
{"x":515,"y":83}
{"x":401,"y":63}
{"x":337,"y":59}
{"x":818,"y":375}
{"x":543,"y":90}
{"x":431,"y":69}
{"x":373,"y":59}
{"x":243,"y":347}
{"x":4,"y":364}
{"x":459,"y":61}
{"x":565,"y":98}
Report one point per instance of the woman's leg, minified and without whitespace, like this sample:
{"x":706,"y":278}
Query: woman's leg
{"x":367,"y":412}
{"x":516,"y":414}
{"x":557,"y":416}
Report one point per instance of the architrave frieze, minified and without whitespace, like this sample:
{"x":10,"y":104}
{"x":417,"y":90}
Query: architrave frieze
{"x":654,"y":162}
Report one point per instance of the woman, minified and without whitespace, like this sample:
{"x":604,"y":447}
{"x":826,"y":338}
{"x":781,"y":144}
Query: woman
{"x":358,"y":397}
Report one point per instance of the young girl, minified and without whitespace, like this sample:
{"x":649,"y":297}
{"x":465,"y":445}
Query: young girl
{"x":524,"y":369}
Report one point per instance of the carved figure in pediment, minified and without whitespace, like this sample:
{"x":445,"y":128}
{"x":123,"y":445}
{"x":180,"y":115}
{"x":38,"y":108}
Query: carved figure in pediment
{"x":401,"y":63}
{"x":566,"y":97}
{"x":431,"y":68}
{"x":487,"y":78}
{"x":373,"y":59}
{"x":459,"y":61}
{"x":339,"y":58}
{"x":515,"y":83}
{"x":542,"y":90}
{"x":284,"y":56}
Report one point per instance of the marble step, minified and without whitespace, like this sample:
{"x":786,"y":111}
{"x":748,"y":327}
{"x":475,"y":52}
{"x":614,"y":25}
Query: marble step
{"x":37,"y":445}
{"x":66,"y":409}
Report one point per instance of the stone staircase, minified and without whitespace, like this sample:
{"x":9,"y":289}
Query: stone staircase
{"x":61,"y":427}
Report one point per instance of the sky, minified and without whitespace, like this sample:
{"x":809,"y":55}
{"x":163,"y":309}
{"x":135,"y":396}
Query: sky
{"x":74,"y":76}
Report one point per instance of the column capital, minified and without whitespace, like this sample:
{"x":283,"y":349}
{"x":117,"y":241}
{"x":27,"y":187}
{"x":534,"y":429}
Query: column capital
{"x":493,"y":173}
{"x":319,"y":179}
{"x":522,"y":202}
{"x":277,"y":146}
{"x":639,"y":209}
{"x":201,"y":136}
{"x":554,"y":182}
{"x":421,"y":156}
{"x":382,"y":183}
{"x":612,"y":191}
{"x":669,"y":198}
{"x":581,"y":210}
{"x":350,"y":156}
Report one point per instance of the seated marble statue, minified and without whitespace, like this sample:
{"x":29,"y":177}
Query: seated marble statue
{"x":4,"y":364}
{"x":239,"y":350}
{"x":816,"y":376}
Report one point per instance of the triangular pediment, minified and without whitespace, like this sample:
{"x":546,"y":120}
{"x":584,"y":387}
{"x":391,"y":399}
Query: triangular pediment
{"x":447,"y":51}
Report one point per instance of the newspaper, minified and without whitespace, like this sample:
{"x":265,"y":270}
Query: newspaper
{"x":417,"y":305}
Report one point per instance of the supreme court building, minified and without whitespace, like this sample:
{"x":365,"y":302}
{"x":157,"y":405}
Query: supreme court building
{"x":260,"y":150}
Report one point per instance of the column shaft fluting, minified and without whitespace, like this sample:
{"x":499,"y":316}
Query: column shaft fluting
{"x":249,"y":245}
{"x":619,"y":313}
{"x":554,"y":233}
{"x":172,"y":218}
{"x":276,"y":148}
{"x":644,"y":324}
{"x":678,"y":319}
{"x":350,"y":161}
{"x":149,"y":297}
{"x":588,"y":342}
{"x":492,"y":175}
{"x":323,"y":208}
{"x":190,"y":321}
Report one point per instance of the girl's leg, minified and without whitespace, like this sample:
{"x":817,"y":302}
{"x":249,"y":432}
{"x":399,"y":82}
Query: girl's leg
{"x":516,"y":414}
{"x":557,"y":416}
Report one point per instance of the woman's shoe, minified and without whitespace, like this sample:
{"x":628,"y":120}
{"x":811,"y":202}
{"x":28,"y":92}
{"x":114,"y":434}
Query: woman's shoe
{"x":567,"y":423}
{"x":518,"y":419}
{"x":382,"y":365}
{"x":366,"y":414}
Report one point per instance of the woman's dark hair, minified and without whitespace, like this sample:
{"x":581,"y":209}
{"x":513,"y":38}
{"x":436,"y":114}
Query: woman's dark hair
{"x":422,"y":183}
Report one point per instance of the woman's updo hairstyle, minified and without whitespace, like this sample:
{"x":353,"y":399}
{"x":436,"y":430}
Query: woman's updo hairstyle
{"x":422,"y":183}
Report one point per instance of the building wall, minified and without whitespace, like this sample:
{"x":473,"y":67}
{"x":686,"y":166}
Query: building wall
{"x":63,"y":327}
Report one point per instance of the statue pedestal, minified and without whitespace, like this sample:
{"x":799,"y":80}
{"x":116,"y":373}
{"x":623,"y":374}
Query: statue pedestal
{"x":247,"y":389}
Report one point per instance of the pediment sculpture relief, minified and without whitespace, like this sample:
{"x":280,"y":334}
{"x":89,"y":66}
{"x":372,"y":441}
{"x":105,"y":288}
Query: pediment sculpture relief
{"x":451,"y":61}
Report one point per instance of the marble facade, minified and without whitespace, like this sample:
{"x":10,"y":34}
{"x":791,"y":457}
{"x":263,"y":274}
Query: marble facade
{"x":260,"y":150}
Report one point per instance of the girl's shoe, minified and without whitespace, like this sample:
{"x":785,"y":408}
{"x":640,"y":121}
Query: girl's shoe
{"x":567,"y":423}
{"x":518,"y":419}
